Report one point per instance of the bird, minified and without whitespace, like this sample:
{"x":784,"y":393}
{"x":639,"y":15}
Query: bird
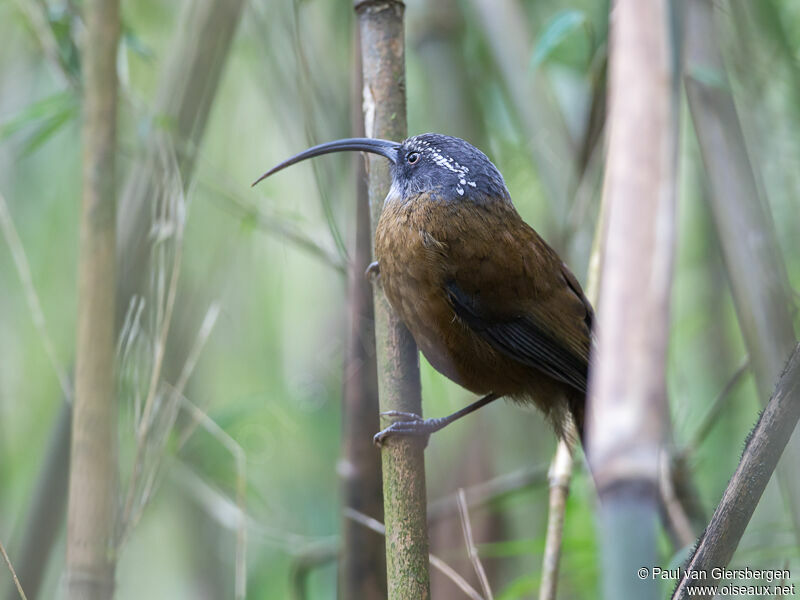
{"x":488,"y":302}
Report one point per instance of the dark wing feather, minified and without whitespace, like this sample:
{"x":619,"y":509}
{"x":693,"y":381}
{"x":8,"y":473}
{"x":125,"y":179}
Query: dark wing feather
{"x":522,"y":339}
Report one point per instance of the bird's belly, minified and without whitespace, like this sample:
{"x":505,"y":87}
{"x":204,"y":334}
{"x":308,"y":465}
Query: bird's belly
{"x":410,"y":275}
{"x":449,"y":348}
{"x":452,"y":348}
{"x":443,"y":344}
{"x":447,"y":343}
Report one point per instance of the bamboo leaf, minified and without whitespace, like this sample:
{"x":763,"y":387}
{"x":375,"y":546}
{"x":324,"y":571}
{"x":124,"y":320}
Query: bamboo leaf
{"x":563,"y":25}
{"x":48,"y":108}
{"x":136,"y":45}
{"x":47,"y":129}
{"x":44,"y":118}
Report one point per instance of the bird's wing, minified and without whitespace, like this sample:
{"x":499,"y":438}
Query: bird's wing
{"x":522,"y":338}
{"x":521,"y":298}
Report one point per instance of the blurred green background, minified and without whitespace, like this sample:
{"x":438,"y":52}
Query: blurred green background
{"x":272,"y":258}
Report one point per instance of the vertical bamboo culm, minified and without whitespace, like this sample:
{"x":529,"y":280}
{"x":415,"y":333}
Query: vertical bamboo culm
{"x":627,"y":404}
{"x":362,"y":562}
{"x":759,"y":283}
{"x":92,"y":499}
{"x":383,"y":60}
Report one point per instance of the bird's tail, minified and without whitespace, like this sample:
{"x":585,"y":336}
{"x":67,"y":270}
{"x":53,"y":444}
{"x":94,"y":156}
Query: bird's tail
{"x":577,"y":409}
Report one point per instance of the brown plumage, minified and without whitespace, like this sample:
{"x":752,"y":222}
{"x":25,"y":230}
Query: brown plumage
{"x":489,"y":303}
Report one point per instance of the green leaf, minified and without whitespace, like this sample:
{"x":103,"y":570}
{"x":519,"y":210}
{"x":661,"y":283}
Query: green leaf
{"x":43,"y":118}
{"x":47,"y":129}
{"x":62,"y":20}
{"x":559,"y":29}
{"x":46,"y":108}
{"x":135,"y":44}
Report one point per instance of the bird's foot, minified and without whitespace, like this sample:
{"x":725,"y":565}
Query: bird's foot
{"x":412,"y":424}
{"x":373,"y":271}
{"x":407,"y":424}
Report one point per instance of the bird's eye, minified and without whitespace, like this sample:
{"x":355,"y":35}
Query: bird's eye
{"x":412,"y":158}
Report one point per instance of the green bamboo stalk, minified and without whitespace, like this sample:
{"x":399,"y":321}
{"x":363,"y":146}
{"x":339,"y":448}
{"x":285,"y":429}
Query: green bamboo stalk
{"x":186,"y":93}
{"x":559,"y":475}
{"x":383,"y":59}
{"x":92,"y":499}
{"x":362,"y":566}
{"x":47,"y":502}
{"x":759,"y":283}
{"x":191,"y":108}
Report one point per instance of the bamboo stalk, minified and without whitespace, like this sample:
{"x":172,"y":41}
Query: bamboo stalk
{"x":558,"y":476}
{"x":45,"y":516}
{"x":759,"y":459}
{"x":627,"y":405}
{"x":472,"y":549}
{"x":48,"y":501}
{"x":755,"y":266}
{"x":383,"y":57}
{"x":186,"y":93}
{"x":188,"y":86}
{"x":187,"y":55}
{"x":92,"y":500}
{"x":362,"y":566}
{"x":436,"y":562}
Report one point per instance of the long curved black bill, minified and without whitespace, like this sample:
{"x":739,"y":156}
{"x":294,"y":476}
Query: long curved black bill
{"x":376,"y":146}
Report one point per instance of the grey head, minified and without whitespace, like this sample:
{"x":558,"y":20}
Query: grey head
{"x":448,"y":168}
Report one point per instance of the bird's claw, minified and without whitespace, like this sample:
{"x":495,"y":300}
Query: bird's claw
{"x":401,"y":414}
{"x":373,"y":271}
{"x":409,"y":424}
